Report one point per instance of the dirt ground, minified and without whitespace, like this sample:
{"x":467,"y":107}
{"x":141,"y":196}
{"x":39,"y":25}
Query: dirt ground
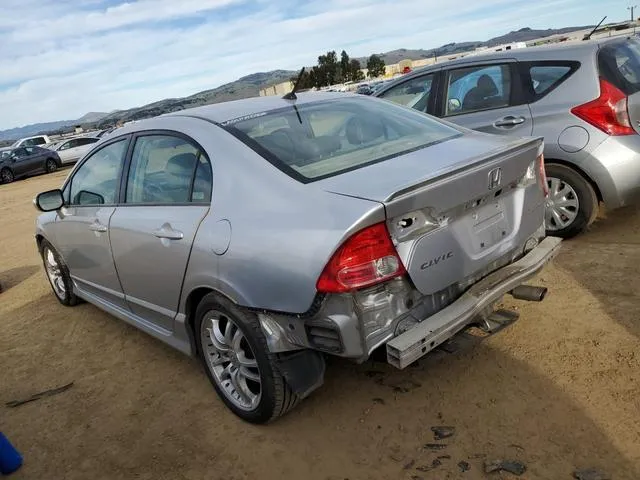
{"x":559,"y":390}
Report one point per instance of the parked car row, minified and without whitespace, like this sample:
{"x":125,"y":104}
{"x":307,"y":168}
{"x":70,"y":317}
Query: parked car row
{"x":23,"y":161}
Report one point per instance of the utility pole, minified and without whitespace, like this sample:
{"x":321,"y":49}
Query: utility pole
{"x":631,"y":8}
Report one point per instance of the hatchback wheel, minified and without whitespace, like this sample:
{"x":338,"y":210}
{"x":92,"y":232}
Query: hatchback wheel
{"x":238,"y":363}
{"x":51,"y":165}
{"x":6,"y":175}
{"x":58,"y":275}
{"x":572,"y":204}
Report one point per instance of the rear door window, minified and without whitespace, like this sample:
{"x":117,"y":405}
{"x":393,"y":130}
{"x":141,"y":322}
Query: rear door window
{"x":163,"y":169}
{"x":619,"y":64}
{"x":473,"y":89}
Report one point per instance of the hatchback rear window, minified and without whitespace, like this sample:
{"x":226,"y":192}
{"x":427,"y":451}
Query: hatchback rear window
{"x":311,"y":141}
{"x":619,"y":63}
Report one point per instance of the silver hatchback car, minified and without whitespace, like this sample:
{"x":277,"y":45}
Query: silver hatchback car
{"x":262,"y":234}
{"x":583,"y":98}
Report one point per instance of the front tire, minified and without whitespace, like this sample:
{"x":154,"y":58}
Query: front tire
{"x":58,"y":275}
{"x":572,"y":204}
{"x":235,"y":355}
{"x":50,"y":165}
{"x":6,"y":176}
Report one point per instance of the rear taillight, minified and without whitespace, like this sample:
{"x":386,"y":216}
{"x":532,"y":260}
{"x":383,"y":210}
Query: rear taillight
{"x":542,"y":175}
{"x":366,"y":258}
{"x":608,"y":112}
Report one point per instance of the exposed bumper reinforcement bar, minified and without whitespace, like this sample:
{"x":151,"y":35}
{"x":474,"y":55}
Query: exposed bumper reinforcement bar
{"x":436,"y":329}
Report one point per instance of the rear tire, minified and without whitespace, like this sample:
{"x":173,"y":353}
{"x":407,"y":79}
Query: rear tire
{"x":6,"y":176}
{"x":572,"y":204}
{"x":58,"y":275}
{"x":255,"y":401}
{"x":50,"y":165}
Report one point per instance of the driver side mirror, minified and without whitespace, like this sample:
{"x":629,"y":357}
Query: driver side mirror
{"x":49,"y":201}
{"x":454,"y":105}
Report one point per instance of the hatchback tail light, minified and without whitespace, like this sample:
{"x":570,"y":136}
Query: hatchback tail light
{"x":608,"y":112}
{"x":365,"y":259}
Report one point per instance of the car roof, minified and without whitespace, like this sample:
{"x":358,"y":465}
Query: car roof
{"x":553,"y":51}
{"x":222,"y":112}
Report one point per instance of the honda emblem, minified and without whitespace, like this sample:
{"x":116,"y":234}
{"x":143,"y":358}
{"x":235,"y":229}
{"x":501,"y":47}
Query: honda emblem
{"x":495,"y":178}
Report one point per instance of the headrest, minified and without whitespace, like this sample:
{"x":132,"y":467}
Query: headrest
{"x":486,"y":84}
{"x":182,"y":164}
{"x":363,"y":130}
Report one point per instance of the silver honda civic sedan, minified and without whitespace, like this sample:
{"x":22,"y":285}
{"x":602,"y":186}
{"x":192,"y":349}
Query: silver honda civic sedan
{"x":261,"y":235}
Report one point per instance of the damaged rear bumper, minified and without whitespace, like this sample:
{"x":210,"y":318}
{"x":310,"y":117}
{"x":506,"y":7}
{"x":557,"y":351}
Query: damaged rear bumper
{"x":413,"y":344}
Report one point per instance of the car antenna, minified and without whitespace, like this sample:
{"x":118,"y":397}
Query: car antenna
{"x":292,"y":94}
{"x":588,"y":35}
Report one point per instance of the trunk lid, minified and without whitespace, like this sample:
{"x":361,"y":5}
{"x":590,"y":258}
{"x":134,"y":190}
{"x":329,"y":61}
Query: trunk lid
{"x":454,"y":208}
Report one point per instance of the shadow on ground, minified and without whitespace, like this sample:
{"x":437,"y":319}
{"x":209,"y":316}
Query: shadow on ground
{"x":140,"y":410}
{"x":606,"y":261}
{"x":15,"y":276}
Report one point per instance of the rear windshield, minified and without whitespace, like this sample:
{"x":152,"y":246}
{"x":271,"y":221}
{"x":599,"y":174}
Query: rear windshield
{"x":321,"y":139}
{"x":619,"y":63}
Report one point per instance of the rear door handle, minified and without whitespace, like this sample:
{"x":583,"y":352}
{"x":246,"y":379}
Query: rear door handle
{"x":169,"y":233}
{"x":509,"y":121}
{"x":98,"y":227}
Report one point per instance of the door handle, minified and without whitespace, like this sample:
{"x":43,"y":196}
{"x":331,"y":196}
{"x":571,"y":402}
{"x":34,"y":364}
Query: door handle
{"x":169,"y":233}
{"x":509,"y":121}
{"x":97,"y":227}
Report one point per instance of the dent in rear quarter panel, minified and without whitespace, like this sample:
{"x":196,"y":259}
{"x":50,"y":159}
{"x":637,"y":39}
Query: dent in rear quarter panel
{"x":283,"y":232}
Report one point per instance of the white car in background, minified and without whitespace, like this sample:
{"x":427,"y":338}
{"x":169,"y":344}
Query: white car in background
{"x":38,"y":140}
{"x":72,"y":149}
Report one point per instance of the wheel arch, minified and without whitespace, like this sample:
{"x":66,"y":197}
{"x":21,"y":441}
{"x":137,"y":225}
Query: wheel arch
{"x":579,"y":171}
{"x":192,"y":300}
{"x":39,"y":239}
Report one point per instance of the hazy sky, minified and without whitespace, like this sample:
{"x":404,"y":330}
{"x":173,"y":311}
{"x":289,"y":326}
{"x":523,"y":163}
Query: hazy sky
{"x":62,"y":58}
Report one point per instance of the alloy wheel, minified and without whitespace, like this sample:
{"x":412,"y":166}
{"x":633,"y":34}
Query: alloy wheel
{"x":231,"y":361}
{"x":54,"y":273}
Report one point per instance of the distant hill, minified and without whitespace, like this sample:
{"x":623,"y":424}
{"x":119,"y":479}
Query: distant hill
{"x":250,"y":85}
{"x":36,"y":128}
{"x":522,"y":35}
{"x":244,"y":87}
{"x":91,"y":117}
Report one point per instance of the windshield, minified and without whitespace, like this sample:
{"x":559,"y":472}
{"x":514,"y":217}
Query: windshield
{"x":317,"y":140}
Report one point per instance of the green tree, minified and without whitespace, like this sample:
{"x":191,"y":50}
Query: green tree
{"x":375,"y":65}
{"x":355,"y":72}
{"x":327,"y":69}
{"x":345,"y":71}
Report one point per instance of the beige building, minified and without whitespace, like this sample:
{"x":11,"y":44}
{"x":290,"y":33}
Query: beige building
{"x":277,"y":89}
